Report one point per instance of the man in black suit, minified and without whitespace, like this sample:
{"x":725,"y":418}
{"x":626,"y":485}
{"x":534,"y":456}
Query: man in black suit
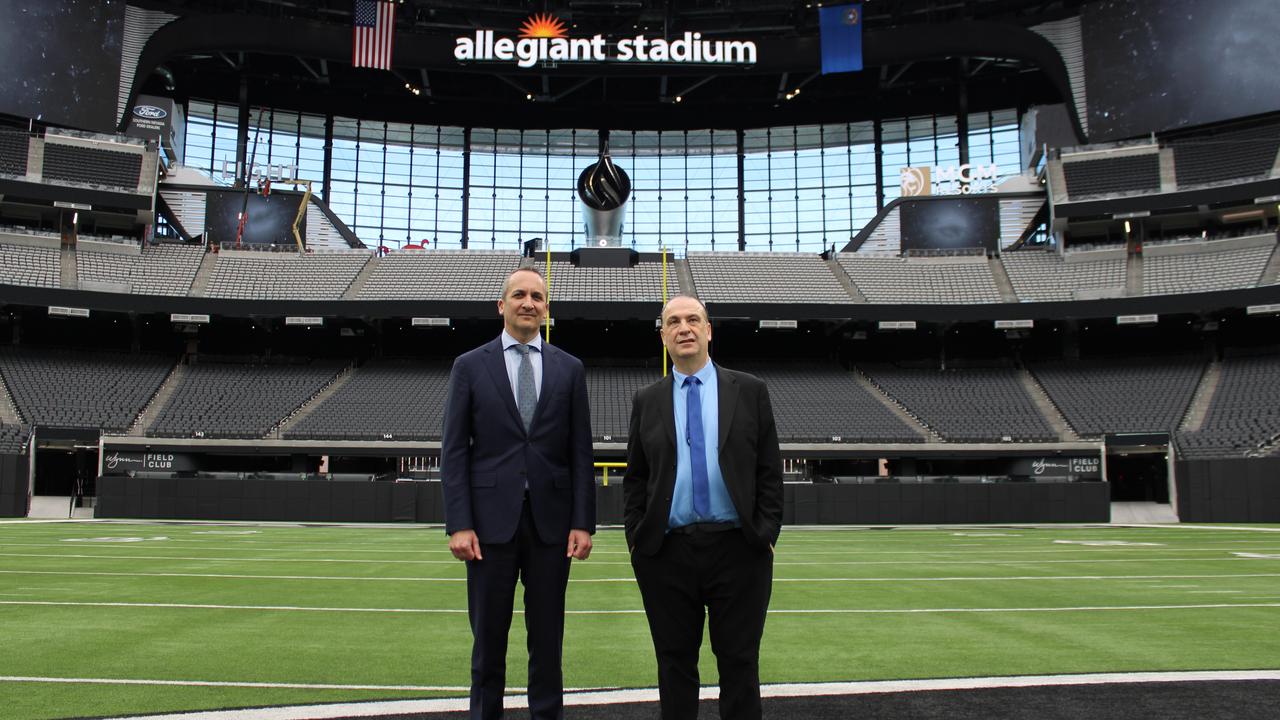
{"x":519,"y":493}
{"x":703,"y":508}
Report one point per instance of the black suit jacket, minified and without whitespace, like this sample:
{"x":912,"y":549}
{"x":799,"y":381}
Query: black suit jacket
{"x":750,"y":460}
{"x":487,"y":458}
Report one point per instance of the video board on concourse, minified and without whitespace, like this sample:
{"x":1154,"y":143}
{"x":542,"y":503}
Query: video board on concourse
{"x":951,"y":223}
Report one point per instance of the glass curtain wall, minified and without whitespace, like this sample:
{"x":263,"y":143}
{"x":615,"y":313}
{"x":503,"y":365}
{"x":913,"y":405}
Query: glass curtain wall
{"x":684,"y":188}
{"x":804,"y":188}
{"x":397,"y":184}
{"x":284,"y":138}
{"x":523,"y":187}
{"x":808,"y":188}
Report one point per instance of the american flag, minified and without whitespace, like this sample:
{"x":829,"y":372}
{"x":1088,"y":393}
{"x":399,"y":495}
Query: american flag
{"x":373,"y":31}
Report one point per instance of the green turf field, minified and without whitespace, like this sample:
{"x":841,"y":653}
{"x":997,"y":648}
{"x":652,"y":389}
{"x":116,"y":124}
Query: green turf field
{"x":383,"y":610}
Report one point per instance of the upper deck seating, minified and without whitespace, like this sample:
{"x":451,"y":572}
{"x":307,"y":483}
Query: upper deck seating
{"x":893,"y":280}
{"x":763,"y":277}
{"x":439,"y":275}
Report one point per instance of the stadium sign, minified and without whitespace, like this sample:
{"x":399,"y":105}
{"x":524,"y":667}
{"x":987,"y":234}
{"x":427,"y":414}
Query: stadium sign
{"x":231,"y":170}
{"x":122,"y":463}
{"x":950,"y":180}
{"x":1083,"y":467}
{"x":150,"y":112}
{"x":543,"y":39}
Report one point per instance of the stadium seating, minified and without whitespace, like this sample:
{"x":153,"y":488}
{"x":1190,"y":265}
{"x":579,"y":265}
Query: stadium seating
{"x":1226,"y":156}
{"x":641,"y":283}
{"x":81,"y":389}
{"x":1112,"y":175}
{"x":894,"y":280}
{"x":161,"y":269}
{"x":13,"y":153}
{"x":764,"y":277}
{"x":209,"y":401}
{"x":820,"y":401}
{"x":400,"y":398}
{"x":1220,"y":265}
{"x":965,"y":405}
{"x":93,"y":166}
{"x":1244,"y":412}
{"x":1116,"y":395}
{"x":1045,"y":276}
{"x":610,"y":390}
{"x":440,"y":275}
{"x":30,"y":265}
{"x":251,"y":274}
{"x":13,"y":439}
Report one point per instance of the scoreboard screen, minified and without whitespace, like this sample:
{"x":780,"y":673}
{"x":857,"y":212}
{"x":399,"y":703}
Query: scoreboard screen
{"x":950,"y":224}
{"x":270,"y":220}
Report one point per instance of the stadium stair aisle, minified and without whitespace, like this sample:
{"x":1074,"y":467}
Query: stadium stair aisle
{"x":1046,"y":407}
{"x":845,"y":281}
{"x":1267,"y":449}
{"x":361,"y":278}
{"x":70,"y":280}
{"x":8,"y":411}
{"x":311,"y":405}
{"x":1271,"y":274}
{"x":1168,"y":171}
{"x":1133,"y":275}
{"x":203,"y":274}
{"x":155,"y":406}
{"x":685,"y":276}
{"x":1203,"y":398}
{"x":892,"y":406}
{"x":1002,"y":281}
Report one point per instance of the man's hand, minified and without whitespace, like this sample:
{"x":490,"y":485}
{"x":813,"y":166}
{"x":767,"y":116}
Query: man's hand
{"x":579,"y":545}
{"x":465,"y":545}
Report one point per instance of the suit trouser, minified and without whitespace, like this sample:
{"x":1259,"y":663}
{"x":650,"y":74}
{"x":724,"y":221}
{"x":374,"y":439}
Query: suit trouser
{"x":544,"y":572}
{"x":732,"y":580}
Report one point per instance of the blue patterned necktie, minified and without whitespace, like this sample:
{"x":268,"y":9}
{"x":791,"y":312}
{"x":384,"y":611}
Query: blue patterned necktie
{"x":526,"y":391}
{"x":697,"y":447}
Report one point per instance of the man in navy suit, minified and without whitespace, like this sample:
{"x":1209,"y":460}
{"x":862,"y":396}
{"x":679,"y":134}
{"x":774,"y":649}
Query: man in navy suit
{"x":703,"y":507}
{"x":519,"y":493}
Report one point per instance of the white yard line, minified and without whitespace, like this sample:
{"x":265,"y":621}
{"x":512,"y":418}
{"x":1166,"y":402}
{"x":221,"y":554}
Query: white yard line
{"x":780,"y":562}
{"x":588,"y":698}
{"x":635,"y":611}
{"x":238,"y":684}
{"x":629,"y":579}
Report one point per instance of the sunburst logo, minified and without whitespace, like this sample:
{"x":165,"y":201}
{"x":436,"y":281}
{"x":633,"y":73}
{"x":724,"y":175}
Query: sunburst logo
{"x":543,"y":25}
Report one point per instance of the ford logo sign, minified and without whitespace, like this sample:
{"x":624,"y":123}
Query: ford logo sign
{"x":151,"y":112}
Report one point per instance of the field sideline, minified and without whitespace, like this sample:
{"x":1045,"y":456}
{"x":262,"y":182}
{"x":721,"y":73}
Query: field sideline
{"x":113,"y":618}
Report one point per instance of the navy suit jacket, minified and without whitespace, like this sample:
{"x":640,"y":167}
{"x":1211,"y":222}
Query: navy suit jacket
{"x":487,"y":458}
{"x":750,"y":460}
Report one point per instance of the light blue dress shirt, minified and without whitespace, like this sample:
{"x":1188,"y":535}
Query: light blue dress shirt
{"x":512,"y":359}
{"x":682,"y":512}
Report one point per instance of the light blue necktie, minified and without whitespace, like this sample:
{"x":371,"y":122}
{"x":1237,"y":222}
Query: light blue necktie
{"x":697,"y":447}
{"x":526,"y":391}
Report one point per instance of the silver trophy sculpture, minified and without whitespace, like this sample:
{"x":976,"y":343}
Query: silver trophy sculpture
{"x":603,"y":189}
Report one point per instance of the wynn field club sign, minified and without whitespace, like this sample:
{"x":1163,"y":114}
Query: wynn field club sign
{"x":543,"y":39}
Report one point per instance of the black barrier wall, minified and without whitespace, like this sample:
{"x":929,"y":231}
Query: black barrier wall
{"x":1229,"y":490}
{"x":14,"y":485}
{"x":339,"y":501}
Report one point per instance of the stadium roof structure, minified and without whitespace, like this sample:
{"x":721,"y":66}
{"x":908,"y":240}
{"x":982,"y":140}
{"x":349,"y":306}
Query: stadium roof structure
{"x":920,"y":57}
